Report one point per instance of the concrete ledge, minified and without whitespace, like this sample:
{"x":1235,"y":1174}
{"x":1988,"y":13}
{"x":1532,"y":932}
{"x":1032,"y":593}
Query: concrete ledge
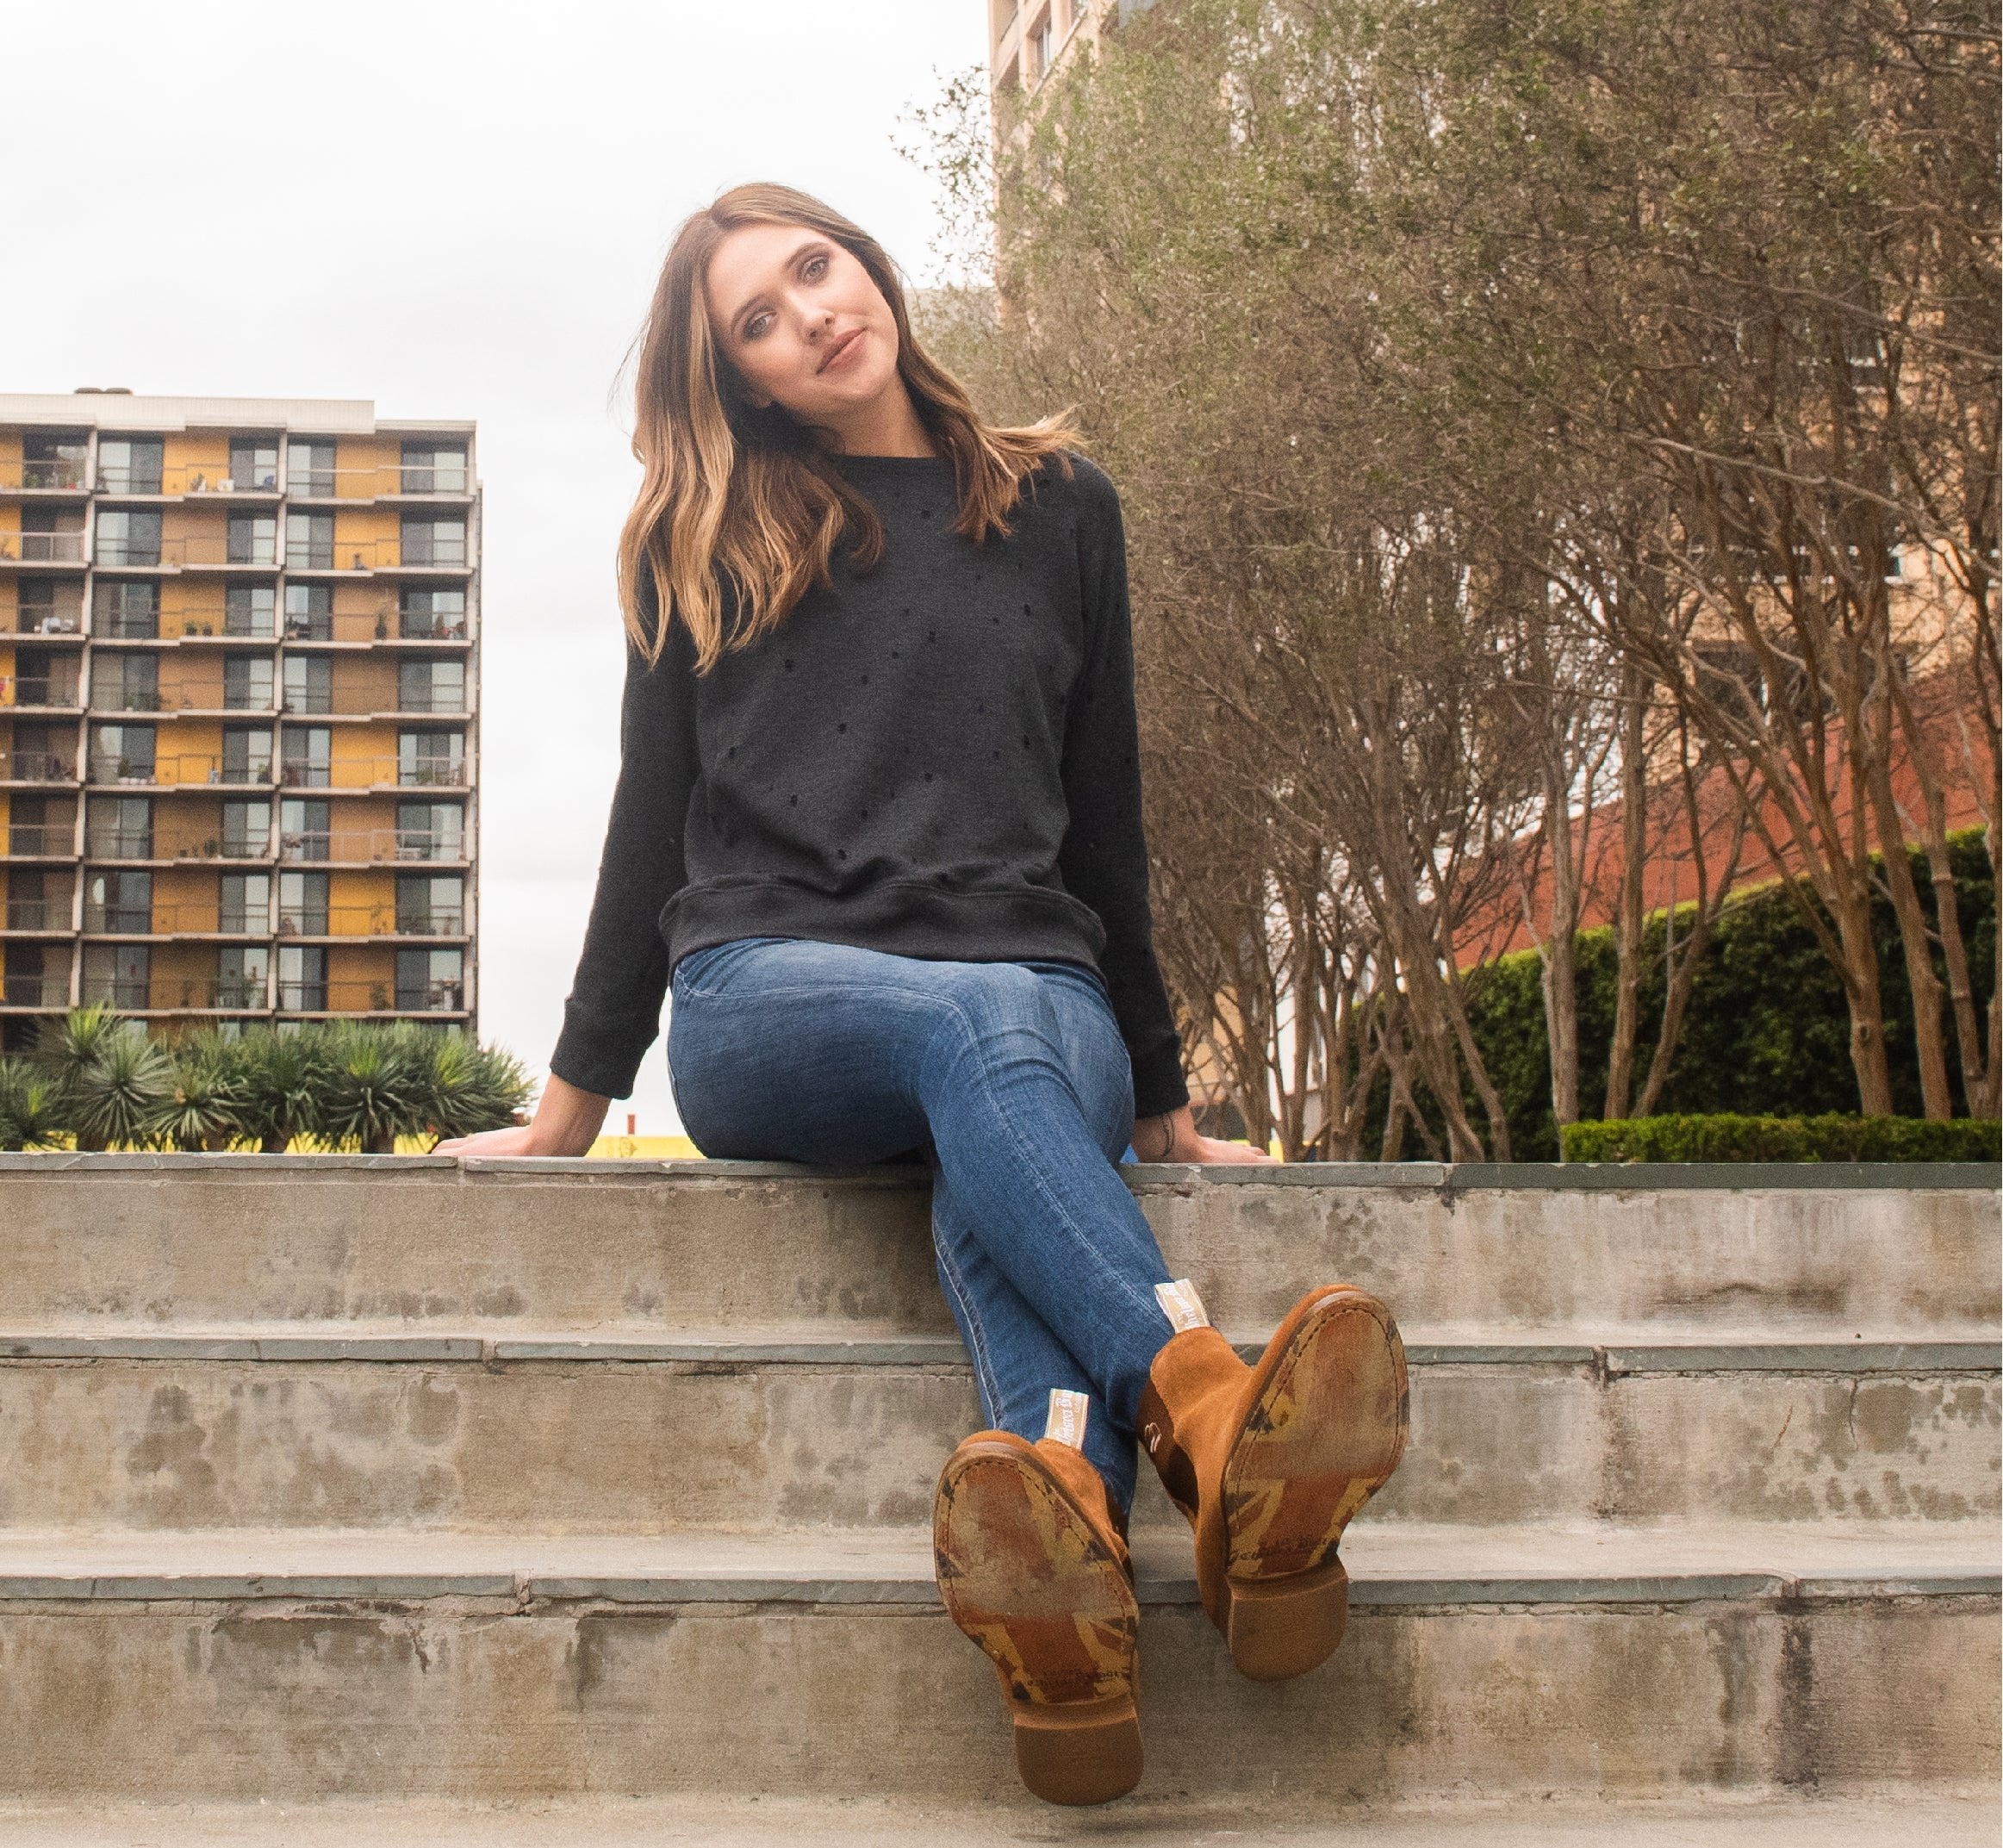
{"x":1848,"y":1358}
{"x":1448,"y":1178}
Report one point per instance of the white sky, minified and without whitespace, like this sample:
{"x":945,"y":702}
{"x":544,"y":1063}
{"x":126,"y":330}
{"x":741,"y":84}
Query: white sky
{"x":457,"y":211}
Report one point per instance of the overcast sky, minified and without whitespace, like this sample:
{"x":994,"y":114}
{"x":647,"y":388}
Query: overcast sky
{"x":456,"y":211}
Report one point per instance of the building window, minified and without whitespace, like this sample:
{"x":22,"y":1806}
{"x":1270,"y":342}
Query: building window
{"x":431,"y":542}
{"x":431,"y":686}
{"x":118,"y":974}
{"x":1043,"y":45}
{"x":127,"y":536}
{"x":309,"y":470}
{"x":47,"y":676}
{"x":429,"y":981}
{"x":308,"y":756}
{"x":253,"y":465}
{"x":249,"y":609}
{"x":308,"y":612}
{"x":129,"y":465}
{"x":430,"y":831}
{"x":427,"y":615}
{"x":242,"y":975}
{"x":125,"y":683}
{"x":31,"y":904}
{"x":309,"y":542}
{"x":126,"y":610}
{"x":244,"y":904}
{"x":427,"y":469}
{"x":302,"y":979}
{"x":425,"y":757}
{"x":246,"y":831}
{"x":246,"y":683}
{"x":37,"y":825}
{"x":430,"y":905}
{"x":309,"y":683}
{"x":119,"y":828}
{"x":302,"y":904}
{"x":41,"y":753}
{"x":47,"y":606}
{"x":119,"y":903}
{"x":303,"y":830}
{"x":247,"y":754}
{"x":253,"y":539}
{"x":122,"y":753}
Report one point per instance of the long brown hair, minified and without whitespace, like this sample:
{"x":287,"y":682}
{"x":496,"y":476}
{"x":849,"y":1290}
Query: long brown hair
{"x":742,"y":507}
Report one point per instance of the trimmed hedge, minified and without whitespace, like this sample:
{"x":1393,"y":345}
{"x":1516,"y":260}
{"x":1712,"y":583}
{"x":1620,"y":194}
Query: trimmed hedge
{"x":1728,"y":1138}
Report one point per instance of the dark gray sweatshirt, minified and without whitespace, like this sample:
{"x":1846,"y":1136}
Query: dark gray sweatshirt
{"x":937,"y":759}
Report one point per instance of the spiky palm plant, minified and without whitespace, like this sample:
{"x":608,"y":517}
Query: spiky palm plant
{"x":31,"y":1112}
{"x":205,"y":1087}
{"x":65,"y":1049}
{"x":117,"y":1094}
{"x":376,"y":1087}
{"x":472,"y":1087}
{"x":284,"y":1086}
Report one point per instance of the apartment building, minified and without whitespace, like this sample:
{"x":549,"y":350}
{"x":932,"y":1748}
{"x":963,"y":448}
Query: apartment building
{"x":238,"y":710}
{"x":1027,"y":40}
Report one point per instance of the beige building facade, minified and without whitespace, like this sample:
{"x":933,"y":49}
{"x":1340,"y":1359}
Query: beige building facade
{"x":238,"y":710}
{"x":1030,"y":40}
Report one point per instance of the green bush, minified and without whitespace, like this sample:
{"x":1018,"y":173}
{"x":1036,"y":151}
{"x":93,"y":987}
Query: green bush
{"x":98,"y":1081}
{"x":1729,"y":1138}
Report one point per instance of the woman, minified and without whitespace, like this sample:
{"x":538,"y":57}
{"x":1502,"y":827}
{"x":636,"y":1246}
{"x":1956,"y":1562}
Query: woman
{"x":878,"y":825}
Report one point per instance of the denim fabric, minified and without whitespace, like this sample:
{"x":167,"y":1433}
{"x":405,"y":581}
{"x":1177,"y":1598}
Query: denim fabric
{"x":1013,"y":1075}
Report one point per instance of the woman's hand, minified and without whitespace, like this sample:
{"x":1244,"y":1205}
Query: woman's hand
{"x":566,"y":1123}
{"x":1173,"y":1138}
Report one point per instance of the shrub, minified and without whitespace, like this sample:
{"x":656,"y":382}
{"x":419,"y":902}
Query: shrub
{"x":30,"y":1107}
{"x":1728,"y":1138}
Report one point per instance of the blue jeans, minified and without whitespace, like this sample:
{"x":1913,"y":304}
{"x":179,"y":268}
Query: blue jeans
{"x":1016,"y":1075}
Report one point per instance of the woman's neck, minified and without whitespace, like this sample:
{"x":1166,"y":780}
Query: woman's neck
{"x":888,"y":425}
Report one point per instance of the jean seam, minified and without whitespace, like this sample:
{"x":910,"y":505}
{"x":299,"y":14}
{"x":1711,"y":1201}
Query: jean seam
{"x":977,"y":1347}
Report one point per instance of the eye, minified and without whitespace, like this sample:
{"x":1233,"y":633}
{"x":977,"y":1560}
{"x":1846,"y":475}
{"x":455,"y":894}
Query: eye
{"x":757,"y":324}
{"x":814,"y":268}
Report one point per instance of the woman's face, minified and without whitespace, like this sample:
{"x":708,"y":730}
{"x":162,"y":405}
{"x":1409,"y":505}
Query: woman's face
{"x":802,"y":322}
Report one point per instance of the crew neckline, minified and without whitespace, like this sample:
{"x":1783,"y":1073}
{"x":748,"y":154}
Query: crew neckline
{"x":842,"y":460}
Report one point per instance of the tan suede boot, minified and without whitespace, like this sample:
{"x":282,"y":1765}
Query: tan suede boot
{"x":1033,"y":1567}
{"x":1270,"y":1462}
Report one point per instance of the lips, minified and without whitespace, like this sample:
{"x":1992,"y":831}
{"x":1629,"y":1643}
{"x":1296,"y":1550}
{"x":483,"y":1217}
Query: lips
{"x":840,"y":346}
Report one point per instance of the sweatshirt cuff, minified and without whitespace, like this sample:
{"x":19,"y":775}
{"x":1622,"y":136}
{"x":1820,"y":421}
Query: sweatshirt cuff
{"x":1158,"y":1082}
{"x":604,"y":1064}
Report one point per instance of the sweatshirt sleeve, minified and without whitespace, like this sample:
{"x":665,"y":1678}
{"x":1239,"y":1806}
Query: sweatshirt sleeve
{"x":613,"y":1012}
{"x":1105,"y":857}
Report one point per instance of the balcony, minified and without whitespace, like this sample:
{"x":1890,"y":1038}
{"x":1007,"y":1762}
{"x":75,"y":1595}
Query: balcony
{"x":376,"y":773}
{"x":61,"y":693}
{"x":186,"y":770}
{"x":437,"y":481}
{"x":21,"y":990}
{"x":188,"y":480}
{"x":119,"y":843}
{"x":42,"y":548}
{"x":375,"y":847}
{"x":27,"y":840}
{"x":58,"y":475}
{"x":44,"y":915}
{"x":37,"y":766}
{"x":369,"y":997}
{"x":43,"y":620}
{"x":119,"y":920}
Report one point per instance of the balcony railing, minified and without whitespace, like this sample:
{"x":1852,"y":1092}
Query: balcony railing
{"x":119,"y":843}
{"x":178,"y":772}
{"x":63,"y":474}
{"x":386,"y":702}
{"x":369,"y":997}
{"x":174,"y":479}
{"x":37,"y":766}
{"x":42,"y":548}
{"x":28,"y":840}
{"x":38,"y":914}
{"x":119,"y":920}
{"x":369,"y":555}
{"x":368,"y":920}
{"x":42,"y":622}
{"x":54,"y":696}
{"x":374,"y":847}
{"x":373,"y":773}
{"x":452,"y":480}
{"x":35,"y":991}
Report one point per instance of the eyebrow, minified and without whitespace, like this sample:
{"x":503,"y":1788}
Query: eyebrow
{"x":816,"y":242}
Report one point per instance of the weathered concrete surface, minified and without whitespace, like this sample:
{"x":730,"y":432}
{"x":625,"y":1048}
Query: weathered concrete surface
{"x":628,"y":1447}
{"x":1856,"y":1822}
{"x":234,"y":1238}
{"x":484,"y":1700}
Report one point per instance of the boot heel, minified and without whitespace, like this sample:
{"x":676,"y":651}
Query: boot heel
{"x":1280,"y":1628}
{"x":1078,"y":1752}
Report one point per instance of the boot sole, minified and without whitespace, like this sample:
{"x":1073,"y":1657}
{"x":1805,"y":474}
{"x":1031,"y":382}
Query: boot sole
{"x":1024,"y":1575}
{"x":1329,"y":1418}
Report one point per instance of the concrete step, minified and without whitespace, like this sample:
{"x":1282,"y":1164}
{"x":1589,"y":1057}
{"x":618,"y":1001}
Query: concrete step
{"x":1578,"y":1661}
{"x":511,"y":1429}
{"x":1718,"y":1822}
{"x":1910,"y":1252}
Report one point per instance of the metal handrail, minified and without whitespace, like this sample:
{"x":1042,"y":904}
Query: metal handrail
{"x":42,"y":548}
{"x":374,"y":847}
{"x":27,"y":840}
{"x":36,"y":767}
{"x":43,"y":475}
